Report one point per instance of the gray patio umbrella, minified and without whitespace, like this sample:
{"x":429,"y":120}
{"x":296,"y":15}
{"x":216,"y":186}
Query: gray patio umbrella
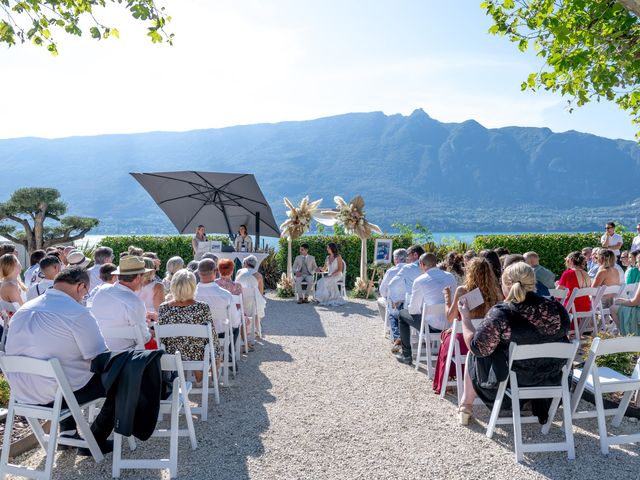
{"x":219,"y":201}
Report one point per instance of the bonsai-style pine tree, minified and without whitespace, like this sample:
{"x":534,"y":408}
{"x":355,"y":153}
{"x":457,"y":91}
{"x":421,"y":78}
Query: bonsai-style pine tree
{"x":39,"y":211}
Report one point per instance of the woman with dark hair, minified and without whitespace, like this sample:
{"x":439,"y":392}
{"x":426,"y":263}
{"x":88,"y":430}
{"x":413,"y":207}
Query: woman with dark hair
{"x":243,"y":242}
{"x":454,"y":264}
{"x":632,"y":275}
{"x":576,"y":276}
{"x":327,"y":292}
{"x":607,"y":274}
{"x":494,"y":260}
{"x":197,"y":239}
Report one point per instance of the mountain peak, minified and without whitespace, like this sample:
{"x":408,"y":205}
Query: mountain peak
{"x":419,"y":113}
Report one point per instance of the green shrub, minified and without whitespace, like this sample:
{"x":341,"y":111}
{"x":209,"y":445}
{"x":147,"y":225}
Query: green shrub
{"x":269,"y":269}
{"x":166,"y":247}
{"x":551,"y":247}
{"x":5,"y":391}
{"x":348,"y":246}
{"x":623,"y":362}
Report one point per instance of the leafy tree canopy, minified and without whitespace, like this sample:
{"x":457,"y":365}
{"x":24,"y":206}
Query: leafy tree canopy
{"x":38,"y":21}
{"x":34,"y":210}
{"x":591,"y":48}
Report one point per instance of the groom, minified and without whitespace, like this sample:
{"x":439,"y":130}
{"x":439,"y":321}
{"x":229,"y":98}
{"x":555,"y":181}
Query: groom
{"x":304,"y":267}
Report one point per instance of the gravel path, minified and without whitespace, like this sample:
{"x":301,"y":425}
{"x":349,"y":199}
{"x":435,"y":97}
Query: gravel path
{"x":322,"y":398}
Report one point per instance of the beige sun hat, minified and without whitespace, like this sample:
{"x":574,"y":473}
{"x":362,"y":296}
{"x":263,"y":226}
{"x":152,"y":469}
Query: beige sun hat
{"x":131,"y":265}
{"x":76,"y":258}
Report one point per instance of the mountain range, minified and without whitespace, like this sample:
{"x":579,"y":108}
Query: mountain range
{"x":409,"y":169}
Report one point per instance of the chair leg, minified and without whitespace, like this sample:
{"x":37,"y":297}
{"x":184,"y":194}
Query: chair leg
{"x":216,"y":384}
{"x":189,"y":418}
{"x":117,"y":455}
{"x":419,"y":349}
{"x":447,"y":368}
{"x":517,"y":419}
{"x":459,"y":379}
{"x":568,"y":423}
{"x":6,"y":440}
{"x":38,"y":432}
{"x":552,"y":413}
{"x":51,"y":447}
{"x":173,"y":439}
{"x":602,"y":423}
{"x":204,"y":403}
{"x":495,"y":413}
{"x":622,"y":408}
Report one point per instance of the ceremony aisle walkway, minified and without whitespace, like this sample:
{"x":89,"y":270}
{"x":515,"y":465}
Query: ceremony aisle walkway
{"x":323,"y":398}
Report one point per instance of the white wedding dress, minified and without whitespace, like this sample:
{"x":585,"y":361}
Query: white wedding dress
{"x":327,"y":292}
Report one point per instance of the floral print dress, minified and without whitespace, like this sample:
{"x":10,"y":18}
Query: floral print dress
{"x":199,"y":313}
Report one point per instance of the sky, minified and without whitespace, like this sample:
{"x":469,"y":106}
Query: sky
{"x":245,"y":62}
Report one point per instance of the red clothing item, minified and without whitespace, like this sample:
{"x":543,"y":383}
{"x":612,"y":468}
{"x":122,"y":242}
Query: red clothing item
{"x":438,"y":377}
{"x":569,"y":280}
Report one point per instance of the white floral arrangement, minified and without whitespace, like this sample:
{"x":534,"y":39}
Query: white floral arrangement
{"x":352,"y":216}
{"x":299,"y":218}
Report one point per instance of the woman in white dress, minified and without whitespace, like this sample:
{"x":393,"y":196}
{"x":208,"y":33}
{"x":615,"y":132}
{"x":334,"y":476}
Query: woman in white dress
{"x":253,"y":289}
{"x":152,"y":290}
{"x":327,"y":292}
{"x":12,"y":289}
{"x":199,"y":237}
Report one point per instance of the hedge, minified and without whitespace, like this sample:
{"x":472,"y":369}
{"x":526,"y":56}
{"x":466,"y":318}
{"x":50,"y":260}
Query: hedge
{"x":166,"y":247}
{"x":551,"y":247}
{"x":348,"y":246}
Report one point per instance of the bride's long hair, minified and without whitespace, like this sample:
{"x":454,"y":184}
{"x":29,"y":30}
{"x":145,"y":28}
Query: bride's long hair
{"x":334,"y":249}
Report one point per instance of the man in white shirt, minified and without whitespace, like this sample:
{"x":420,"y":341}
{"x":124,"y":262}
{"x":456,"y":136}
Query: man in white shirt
{"x":635,"y":243}
{"x":427,"y":289}
{"x":401,"y":284}
{"x":31,"y":274}
{"x":118,"y":305}
{"x":56,"y":325}
{"x":101,"y":256}
{"x":399,"y":260}
{"x":50,"y":266}
{"x":216,"y":297}
{"x":612,"y":240}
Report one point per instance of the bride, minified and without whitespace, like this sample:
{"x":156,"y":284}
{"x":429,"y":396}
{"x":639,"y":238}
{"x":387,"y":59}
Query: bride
{"x":327,"y":292}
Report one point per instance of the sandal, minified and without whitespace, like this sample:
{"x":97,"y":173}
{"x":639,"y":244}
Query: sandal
{"x":465,"y":412}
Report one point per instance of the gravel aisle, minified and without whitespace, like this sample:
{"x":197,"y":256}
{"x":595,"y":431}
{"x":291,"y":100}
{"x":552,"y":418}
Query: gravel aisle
{"x":322,"y":398}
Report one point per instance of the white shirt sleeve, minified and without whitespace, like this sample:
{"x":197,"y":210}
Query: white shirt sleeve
{"x":384,"y":284}
{"x":140,"y":318}
{"x":397,"y":288}
{"x":417,"y":298}
{"x":234,"y":313}
{"x":89,"y":337}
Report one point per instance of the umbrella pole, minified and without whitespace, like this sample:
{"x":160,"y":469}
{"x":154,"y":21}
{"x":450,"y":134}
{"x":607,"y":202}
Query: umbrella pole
{"x":257,"y":231}
{"x":363,"y":259}
{"x":289,"y":266}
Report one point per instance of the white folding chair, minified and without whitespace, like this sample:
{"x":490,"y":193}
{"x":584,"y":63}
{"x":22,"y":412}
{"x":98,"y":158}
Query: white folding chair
{"x":560,"y":294}
{"x":221,"y":317}
{"x":566,"y":351}
{"x":251,"y":305}
{"x":177,"y":404}
{"x":599,"y":309}
{"x":628,"y":290}
{"x":600,"y":380}
{"x":387,"y":324}
{"x":341,"y":283}
{"x":575,"y":316}
{"x":431,"y":341}
{"x":454,"y":356}
{"x":34,"y":413}
{"x":237,"y":299}
{"x":129,"y":332}
{"x":207,"y":363}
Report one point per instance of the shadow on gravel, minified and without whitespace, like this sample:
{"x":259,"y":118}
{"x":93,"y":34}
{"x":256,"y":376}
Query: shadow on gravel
{"x":352,"y":308}
{"x":288,"y":318}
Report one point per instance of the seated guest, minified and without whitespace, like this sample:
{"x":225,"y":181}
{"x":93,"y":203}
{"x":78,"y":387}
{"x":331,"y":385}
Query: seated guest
{"x":632,"y":275}
{"x":400,"y":286}
{"x":56,"y":325}
{"x":607,"y":275}
{"x":624,"y":259}
{"x":11,"y":287}
{"x":101,"y":256}
{"x":541,"y":289}
{"x":225,"y":269}
{"x":50,"y":266}
{"x":183,"y":308}
{"x":135,"y":251}
{"x":152,"y":291}
{"x":123,"y":254}
{"x":107,"y":277}
{"x":65,"y":253}
{"x":118,"y":305}
{"x":156,"y":260}
{"x":543,"y":275}
{"x":626,"y":314}
{"x":31,"y":275}
{"x":250,"y":267}
{"x":524,"y":318}
{"x":468,"y":255}
{"x":254,"y":305}
{"x":399,"y":260}
{"x":328,"y":289}
{"x":593,"y":266}
{"x":427,"y":289}
{"x":576,"y":276}
{"x":453,"y":263}
{"x":304,"y":267}
{"x":75,"y":258}
{"x":192,"y":266}
{"x":501,"y":251}
{"x":494,"y":260}
{"x":173,"y":265}
{"x":478,"y":275}
{"x":215,"y":296}
{"x":8,"y":248}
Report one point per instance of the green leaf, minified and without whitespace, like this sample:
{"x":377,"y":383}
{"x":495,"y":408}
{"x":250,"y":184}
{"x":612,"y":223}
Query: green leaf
{"x":95,"y":33}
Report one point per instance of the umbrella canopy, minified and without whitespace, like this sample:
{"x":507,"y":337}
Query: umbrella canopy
{"x":219,"y":201}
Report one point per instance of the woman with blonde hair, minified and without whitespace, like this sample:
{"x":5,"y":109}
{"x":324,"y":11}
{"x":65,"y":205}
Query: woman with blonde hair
{"x":173,"y":265}
{"x":607,"y":275}
{"x":183,"y":308}
{"x":152,"y":290}
{"x":524,"y":318}
{"x":478,"y":274}
{"x":11,"y":287}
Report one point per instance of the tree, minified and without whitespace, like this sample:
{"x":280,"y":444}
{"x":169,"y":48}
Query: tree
{"x":591,"y":48}
{"x":33,"y":209}
{"x":38,"y":20}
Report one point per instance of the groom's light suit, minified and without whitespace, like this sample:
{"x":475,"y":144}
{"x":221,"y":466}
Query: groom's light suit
{"x":303,"y":269}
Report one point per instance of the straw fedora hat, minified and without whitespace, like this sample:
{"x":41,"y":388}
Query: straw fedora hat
{"x":131,"y":265}
{"x":76,"y":258}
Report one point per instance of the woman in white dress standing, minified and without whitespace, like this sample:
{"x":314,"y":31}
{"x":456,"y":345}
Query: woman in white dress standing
{"x":199,"y":237}
{"x":327,"y":292}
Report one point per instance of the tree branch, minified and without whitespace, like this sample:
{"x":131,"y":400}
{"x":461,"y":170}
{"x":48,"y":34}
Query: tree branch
{"x":21,"y":221}
{"x":632,"y":6}
{"x":66,"y":237}
{"x":10,"y":237}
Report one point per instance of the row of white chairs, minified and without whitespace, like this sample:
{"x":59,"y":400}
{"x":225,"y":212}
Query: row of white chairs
{"x":597,"y":380}
{"x":177,"y":404}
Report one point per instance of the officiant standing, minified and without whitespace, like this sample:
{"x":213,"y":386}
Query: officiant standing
{"x":243,"y":242}
{"x":304,"y":266}
{"x":199,"y":237}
